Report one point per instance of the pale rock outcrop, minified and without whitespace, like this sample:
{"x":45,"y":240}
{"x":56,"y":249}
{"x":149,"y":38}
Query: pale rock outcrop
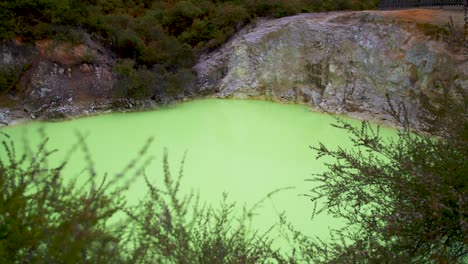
{"x":340,"y":62}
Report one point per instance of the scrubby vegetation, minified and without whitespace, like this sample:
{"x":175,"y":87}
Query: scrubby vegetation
{"x":44,"y":219}
{"x":9,"y":77}
{"x":159,"y":40}
{"x":406,"y":199}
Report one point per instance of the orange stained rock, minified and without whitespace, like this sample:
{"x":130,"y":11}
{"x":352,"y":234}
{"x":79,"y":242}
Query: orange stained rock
{"x":62,"y":52}
{"x":433,"y":16}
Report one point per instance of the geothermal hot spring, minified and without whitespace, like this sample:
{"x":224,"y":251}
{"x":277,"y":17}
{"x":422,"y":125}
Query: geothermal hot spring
{"x":244,"y":148}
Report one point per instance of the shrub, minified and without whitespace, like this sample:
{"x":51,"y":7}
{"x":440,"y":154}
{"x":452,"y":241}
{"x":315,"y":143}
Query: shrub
{"x":149,"y":29}
{"x":231,"y":15}
{"x":45,"y":220}
{"x":133,"y":83}
{"x":180,"y":82}
{"x":10,"y":76}
{"x":179,"y":18}
{"x":404,"y":200}
{"x":6,"y":80}
{"x":10,"y":25}
{"x":129,"y":44}
{"x":200,"y":32}
{"x":173,"y":229}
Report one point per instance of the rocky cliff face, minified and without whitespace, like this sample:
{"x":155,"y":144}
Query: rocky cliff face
{"x":339,"y":62}
{"x":55,"y":79}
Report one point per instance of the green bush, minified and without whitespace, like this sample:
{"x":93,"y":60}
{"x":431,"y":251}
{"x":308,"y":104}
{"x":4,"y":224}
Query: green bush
{"x":129,"y":44}
{"x":139,"y":82}
{"x":170,"y":228}
{"x":405,"y":199}
{"x":10,"y":25}
{"x":180,"y":81}
{"x":199,"y":33}
{"x":180,"y":17}
{"x":169,"y":52}
{"x":129,"y":84}
{"x":45,"y":220}
{"x":10,"y":76}
{"x":231,"y":15}
{"x":6,"y":80}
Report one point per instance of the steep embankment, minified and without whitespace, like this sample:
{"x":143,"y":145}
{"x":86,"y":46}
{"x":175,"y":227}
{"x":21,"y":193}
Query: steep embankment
{"x":341,"y":62}
{"x":54,"y":79}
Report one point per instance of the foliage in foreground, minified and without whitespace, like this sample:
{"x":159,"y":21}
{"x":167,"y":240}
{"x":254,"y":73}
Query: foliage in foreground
{"x":44,"y":219}
{"x":165,"y":228}
{"x":404,"y":199}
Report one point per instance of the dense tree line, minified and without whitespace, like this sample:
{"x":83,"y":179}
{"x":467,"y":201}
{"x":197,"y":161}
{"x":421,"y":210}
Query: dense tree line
{"x":153,"y":40}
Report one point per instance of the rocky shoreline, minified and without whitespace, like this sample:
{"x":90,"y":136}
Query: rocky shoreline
{"x":55,"y":112}
{"x":15,"y":116}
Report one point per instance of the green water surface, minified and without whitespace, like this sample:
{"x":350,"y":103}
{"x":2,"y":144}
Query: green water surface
{"x":244,"y":148}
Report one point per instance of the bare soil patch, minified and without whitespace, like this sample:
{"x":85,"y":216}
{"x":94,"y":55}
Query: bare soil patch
{"x":439,"y":17}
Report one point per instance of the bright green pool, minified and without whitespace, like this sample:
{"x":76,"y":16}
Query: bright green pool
{"x":244,"y":148}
